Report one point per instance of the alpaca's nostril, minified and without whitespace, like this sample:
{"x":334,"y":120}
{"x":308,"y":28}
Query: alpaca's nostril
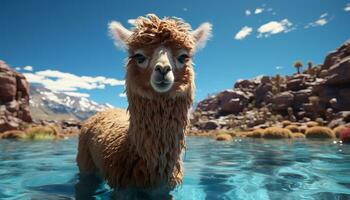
{"x":163,"y":69}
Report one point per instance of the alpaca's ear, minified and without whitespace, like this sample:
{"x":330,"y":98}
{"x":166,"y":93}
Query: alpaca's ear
{"x":119,"y":33}
{"x":202,"y":34}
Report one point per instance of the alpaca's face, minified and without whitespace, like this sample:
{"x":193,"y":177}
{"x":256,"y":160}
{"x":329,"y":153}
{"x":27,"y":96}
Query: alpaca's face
{"x":160,"y":70}
{"x":160,"y":55}
{"x":164,"y":63}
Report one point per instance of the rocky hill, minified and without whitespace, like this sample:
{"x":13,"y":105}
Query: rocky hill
{"x":49,"y":105}
{"x":14,"y":99}
{"x":320,"y":93}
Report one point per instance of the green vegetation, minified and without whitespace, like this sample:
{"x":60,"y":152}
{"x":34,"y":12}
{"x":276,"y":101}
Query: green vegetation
{"x":41,"y":133}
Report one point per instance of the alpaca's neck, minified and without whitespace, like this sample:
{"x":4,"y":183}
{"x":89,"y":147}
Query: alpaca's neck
{"x":157,"y":127}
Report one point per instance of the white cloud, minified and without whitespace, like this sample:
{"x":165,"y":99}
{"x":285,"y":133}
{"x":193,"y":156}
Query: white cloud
{"x":324,"y":15}
{"x":123,"y":95}
{"x":247,"y":12}
{"x":18,"y":68}
{"x":347,"y":7}
{"x":77,"y":94}
{"x":321,"y":21}
{"x":275,"y":27}
{"x":28,"y":68}
{"x":279,"y":67}
{"x":66,"y":82}
{"x":244,"y":32}
{"x":185,"y":9}
{"x":258,"y":10}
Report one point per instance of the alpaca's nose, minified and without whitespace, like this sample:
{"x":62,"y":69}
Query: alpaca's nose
{"x":162,"y":69}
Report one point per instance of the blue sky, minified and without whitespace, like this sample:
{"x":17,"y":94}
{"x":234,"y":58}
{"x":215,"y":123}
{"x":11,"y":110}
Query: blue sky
{"x":69,"y":38}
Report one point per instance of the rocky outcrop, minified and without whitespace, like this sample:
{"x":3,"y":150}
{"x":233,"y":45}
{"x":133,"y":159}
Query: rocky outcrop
{"x":14,"y":99}
{"x":282,"y":101}
{"x":322,"y":92}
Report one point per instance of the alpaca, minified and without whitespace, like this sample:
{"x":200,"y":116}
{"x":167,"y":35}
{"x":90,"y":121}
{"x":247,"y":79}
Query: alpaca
{"x":142,"y":147}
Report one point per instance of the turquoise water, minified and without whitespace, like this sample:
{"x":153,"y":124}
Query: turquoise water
{"x":240,"y":169}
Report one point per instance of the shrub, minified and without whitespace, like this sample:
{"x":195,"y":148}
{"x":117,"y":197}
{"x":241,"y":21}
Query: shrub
{"x":302,"y":129}
{"x":293,"y":128}
{"x":311,"y":124}
{"x":42,"y":132}
{"x":298,"y":135}
{"x":223,"y":137}
{"x":12,"y":134}
{"x":257,"y":133}
{"x":286,"y":123}
{"x":276,"y":133}
{"x":345,"y":135}
{"x":319,"y":132}
{"x":338,"y":129}
{"x":243,"y":133}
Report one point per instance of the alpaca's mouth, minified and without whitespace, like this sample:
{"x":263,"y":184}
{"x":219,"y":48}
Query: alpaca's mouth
{"x":161,"y":86}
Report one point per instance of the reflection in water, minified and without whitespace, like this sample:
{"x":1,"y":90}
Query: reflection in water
{"x":90,"y":186}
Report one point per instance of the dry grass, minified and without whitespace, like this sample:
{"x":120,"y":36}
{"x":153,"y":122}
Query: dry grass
{"x":12,"y":134}
{"x":311,"y":124}
{"x":339,"y":129}
{"x":298,"y":135}
{"x":302,"y":129}
{"x":293,"y":128}
{"x":223,"y":137}
{"x":257,"y":133}
{"x":277,"y":133}
{"x":42,"y":132}
{"x":286,"y":123}
{"x":243,"y":134}
{"x":319,"y":132}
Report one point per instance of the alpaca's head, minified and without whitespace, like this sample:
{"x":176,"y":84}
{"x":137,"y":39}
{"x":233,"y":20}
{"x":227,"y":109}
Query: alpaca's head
{"x":160,"y":55}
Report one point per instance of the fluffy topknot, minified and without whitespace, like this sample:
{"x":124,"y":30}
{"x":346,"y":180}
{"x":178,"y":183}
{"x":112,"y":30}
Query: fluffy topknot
{"x":152,"y":30}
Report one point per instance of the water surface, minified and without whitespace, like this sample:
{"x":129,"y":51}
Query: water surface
{"x":239,"y":169}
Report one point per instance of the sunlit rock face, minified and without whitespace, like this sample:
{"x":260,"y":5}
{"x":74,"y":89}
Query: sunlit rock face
{"x":14,"y":98}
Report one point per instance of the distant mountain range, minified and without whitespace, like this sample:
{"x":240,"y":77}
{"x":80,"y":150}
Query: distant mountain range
{"x":49,"y":105}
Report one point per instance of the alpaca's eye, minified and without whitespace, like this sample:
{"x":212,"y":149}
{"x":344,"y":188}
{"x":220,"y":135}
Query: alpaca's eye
{"x":139,"y":58}
{"x":182,"y":58}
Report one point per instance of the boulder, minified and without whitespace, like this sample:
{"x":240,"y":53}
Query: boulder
{"x":233,"y":101}
{"x":209,"y":125}
{"x":296,"y":84}
{"x":232,"y":106}
{"x":337,"y":55}
{"x":302,"y":96}
{"x":263,"y":93}
{"x":8,"y":87}
{"x":339,"y":74}
{"x":283,"y":100}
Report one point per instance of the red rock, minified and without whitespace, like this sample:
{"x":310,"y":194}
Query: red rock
{"x":345,"y":135}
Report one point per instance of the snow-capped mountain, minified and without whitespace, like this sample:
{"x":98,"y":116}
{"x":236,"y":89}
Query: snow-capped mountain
{"x":47,"y":104}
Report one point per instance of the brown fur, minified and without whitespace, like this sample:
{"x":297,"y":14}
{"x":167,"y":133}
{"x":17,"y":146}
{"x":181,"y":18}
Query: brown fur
{"x":143,"y":148}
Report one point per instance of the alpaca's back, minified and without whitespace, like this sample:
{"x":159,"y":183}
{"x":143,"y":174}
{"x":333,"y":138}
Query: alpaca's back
{"x":101,"y":136}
